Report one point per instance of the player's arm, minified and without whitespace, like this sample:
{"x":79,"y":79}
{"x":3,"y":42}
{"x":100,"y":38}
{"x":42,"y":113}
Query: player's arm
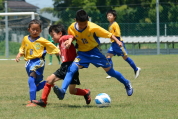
{"x":116,"y":40}
{"x":101,"y":32}
{"x":17,"y":59}
{"x":69,"y":40}
{"x":21,"y":51}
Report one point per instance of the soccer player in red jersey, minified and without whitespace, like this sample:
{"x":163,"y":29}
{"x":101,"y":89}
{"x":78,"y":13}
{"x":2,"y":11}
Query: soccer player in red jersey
{"x":68,"y":55}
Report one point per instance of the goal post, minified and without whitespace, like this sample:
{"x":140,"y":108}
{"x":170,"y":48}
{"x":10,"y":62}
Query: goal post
{"x":6,"y":26}
{"x":19,"y":14}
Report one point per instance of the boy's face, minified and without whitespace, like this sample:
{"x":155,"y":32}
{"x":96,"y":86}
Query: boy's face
{"x":34,"y":30}
{"x":56,"y":36}
{"x":110,"y":17}
{"x":82,"y":25}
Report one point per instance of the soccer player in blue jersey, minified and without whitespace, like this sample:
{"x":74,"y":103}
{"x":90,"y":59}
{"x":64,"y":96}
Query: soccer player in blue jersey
{"x":86,"y":34}
{"x":34,"y":48}
{"x":114,"y":48}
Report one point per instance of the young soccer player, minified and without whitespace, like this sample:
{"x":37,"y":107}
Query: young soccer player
{"x":51,"y":56}
{"x":86,"y":34}
{"x":114,"y":48}
{"x":58,"y":34}
{"x":34,"y":49}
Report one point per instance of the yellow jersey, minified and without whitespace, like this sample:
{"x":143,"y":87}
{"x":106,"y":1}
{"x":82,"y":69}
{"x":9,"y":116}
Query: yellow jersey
{"x":87,"y":39}
{"x":115,"y":30}
{"x":35,"y":49}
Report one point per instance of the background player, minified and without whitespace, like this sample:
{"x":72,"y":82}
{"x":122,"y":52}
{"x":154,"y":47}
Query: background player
{"x":34,"y":48}
{"x":114,"y":48}
{"x":50,"y":55}
{"x":86,"y":34}
{"x":58,"y":34}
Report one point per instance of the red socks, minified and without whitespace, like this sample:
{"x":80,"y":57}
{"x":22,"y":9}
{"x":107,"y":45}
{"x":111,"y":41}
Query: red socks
{"x":81,"y":92}
{"x":46,"y":91}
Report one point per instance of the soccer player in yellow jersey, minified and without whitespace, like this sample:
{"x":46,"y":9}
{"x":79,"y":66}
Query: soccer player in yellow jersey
{"x":86,"y":34}
{"x":114,"y":48}
{"x":34,"y":48}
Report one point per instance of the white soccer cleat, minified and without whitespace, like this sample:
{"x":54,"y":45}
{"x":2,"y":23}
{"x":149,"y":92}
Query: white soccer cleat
{"x":137,"y":73}
{"x":108,"y":77}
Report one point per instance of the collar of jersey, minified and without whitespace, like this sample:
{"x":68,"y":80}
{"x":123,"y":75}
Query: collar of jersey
{"x":112,"y":23}
{"x":33,"y":40}
{"x":79,"y":30}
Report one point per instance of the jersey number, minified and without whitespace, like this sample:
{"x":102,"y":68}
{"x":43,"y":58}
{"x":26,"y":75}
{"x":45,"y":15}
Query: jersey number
{"x":84,"y":41}
{"x":31,"y":51}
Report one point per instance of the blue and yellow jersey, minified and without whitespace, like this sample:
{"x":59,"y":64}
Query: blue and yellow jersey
{"x":87,"y":39}
{"x":37,"y":48}
{"x":115,"y":30}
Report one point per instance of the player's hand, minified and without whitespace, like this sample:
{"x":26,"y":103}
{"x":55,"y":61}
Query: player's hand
{"x":119,"y":43}
{"x":67,"y":44}
{"x":17,"y":59}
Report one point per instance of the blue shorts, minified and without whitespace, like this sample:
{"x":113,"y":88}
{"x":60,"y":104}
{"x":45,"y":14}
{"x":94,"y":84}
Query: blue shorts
{"x":36,"y":65}
{"x":116,"y":50}
{"x":93,"y":56}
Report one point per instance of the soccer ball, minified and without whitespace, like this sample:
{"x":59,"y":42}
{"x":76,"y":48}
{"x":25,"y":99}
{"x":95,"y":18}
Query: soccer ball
{"x":102,"y":100}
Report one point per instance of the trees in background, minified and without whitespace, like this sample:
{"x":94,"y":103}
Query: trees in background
{"x":136,"y":13}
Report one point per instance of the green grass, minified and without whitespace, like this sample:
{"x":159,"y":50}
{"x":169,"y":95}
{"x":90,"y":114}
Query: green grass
{"x":155,"y":91}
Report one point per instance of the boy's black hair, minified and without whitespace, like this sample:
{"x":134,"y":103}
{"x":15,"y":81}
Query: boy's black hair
{"x":34,"y":21}
{"x":57,"y":28}
{"x":112,"y":12}
{"x":81,"y":15}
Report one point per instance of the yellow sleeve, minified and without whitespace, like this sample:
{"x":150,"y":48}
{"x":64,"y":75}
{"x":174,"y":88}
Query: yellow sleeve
{"x":22,"y":47}
{"x":50,"y":47}
{"x":70,"y":32}
{"x":101,"y":32}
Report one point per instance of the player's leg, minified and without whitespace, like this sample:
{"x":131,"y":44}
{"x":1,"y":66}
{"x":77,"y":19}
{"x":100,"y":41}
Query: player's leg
{"x":40,"y":85}
{"x":100,"y":60}
{"x":78,"y":91}
{"x":46,"y":90}
{"x":32,"y":88}
{"x":109,"y":57}
{"x":81,"y":92}
{"x":132,"y":64}
{"x":110,"y":71}
{"x":67,"y":80}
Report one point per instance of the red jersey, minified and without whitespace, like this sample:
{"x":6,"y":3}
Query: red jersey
{"x":67,"y":55}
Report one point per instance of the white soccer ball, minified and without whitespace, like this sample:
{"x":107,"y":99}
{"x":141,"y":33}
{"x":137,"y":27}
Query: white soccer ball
{"x":103,"y":100}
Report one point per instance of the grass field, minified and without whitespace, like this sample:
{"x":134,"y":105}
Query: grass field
{"x":155,"y":92}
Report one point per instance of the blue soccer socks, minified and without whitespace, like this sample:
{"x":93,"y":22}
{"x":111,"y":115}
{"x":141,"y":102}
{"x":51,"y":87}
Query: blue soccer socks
{"x":131,"y":63}
{"x":118,"y":76}
{"x":32,"y":87}
{"x":68,"y":78}
{"x":121,"y":78}
{"x":40,"y":85}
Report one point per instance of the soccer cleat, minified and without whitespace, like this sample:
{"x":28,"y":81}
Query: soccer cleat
{"x":31,"y":105}
{"x":39,"y":102}
{"x":87,"y":97}
{"x":60,"y":93}
{"x":108,"y":77}
{"x":50,"y":63}
{"x":129,"y":89}
{"x":137,"y":72}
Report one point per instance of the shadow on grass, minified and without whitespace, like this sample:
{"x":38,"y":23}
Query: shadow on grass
{"x":57,"y":105}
